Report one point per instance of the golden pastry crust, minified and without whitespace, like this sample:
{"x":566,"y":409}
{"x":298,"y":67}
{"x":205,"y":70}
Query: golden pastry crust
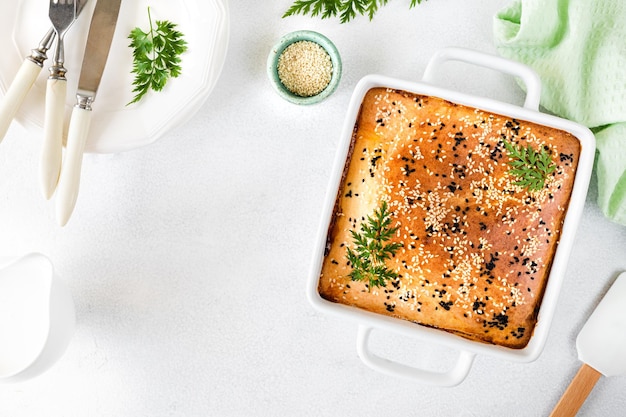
{"x":476,"y":248}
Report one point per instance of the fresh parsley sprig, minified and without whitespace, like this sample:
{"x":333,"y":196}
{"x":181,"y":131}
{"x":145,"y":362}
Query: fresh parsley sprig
{"x":531,"y":167}
{"x":346,"y":9}
{"x":156,"y":56}
{"x":371,"y":250}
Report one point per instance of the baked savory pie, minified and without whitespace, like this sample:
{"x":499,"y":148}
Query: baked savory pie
{"x":448,"y":216}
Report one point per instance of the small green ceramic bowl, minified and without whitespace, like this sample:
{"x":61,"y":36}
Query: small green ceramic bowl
{"x":284,"y":42}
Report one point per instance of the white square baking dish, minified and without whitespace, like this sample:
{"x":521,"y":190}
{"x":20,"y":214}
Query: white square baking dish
{"x":467,"y":348}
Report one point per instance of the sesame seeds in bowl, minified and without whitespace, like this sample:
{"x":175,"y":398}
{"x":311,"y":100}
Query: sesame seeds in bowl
{"x":304,"y":67}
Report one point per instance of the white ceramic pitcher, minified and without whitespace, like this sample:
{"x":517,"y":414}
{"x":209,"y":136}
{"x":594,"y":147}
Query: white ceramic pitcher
{"x":37,"y":317}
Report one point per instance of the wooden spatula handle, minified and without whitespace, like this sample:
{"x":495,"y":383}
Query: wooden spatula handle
{"x":577,"y":392}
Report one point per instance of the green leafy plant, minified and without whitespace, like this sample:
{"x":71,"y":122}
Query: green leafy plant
{"x":371,"y":250}
{"x":156,"y":56}
{"x":346,"y":9}
{"x":531,"y":167}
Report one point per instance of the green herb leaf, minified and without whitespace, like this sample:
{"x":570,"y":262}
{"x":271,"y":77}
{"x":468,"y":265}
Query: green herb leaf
{"x":345,"y":9}
{"x":370,"y":250}
{"x":532,"y":168}
{"x":156,"y":56}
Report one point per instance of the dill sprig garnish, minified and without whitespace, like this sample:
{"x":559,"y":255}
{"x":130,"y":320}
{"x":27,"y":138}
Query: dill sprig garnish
{"x":531,"y":167}
{"x":371,"y":250}
{"x":346,"y":9}
{"x":156,"y":56}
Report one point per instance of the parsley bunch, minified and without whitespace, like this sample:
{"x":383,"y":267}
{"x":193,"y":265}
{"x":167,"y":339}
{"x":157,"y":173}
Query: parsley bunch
{"x":156,"y":56}
{"x":370,"y":251}
{"x":346,"y":9}
{"x":531,"y":167}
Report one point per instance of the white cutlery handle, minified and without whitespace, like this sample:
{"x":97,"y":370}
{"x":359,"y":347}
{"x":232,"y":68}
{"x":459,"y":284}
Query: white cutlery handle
{"x":23,"y":81}
{"x":69,"y":180}
{"x":52,"y":149}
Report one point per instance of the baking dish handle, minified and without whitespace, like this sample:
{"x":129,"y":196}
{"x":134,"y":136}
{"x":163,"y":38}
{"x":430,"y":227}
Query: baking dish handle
{"x":529,"y":77}
{"x":454,"y":376}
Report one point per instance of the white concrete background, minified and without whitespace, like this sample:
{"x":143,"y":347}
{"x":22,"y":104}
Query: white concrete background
{"x":188,"y":258}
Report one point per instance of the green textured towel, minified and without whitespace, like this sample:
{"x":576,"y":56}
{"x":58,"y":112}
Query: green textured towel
{"x":578,"y":48}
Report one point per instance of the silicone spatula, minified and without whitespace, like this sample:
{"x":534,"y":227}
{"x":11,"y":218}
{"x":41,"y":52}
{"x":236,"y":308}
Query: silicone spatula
{"x":601,"y":346}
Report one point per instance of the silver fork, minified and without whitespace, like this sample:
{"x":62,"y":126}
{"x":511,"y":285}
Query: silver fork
{"x":62,"y":14}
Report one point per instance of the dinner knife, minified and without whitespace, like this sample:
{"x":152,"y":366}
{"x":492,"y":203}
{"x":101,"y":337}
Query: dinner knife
{"x":97,"y":49}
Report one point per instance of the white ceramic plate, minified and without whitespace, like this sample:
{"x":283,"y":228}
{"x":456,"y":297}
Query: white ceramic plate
{"x":115,"y":126}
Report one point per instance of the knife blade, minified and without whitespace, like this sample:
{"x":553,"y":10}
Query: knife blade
{"x":97,"y":49}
